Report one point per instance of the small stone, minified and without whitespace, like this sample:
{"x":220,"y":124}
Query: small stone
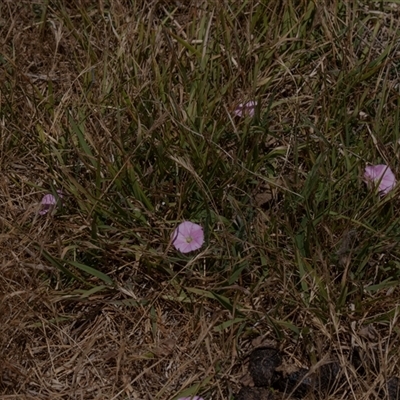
{"x":298,"y":383}
{"x":328,"y":377}
{"x":393,"y":388}
{"x":263,"y":362}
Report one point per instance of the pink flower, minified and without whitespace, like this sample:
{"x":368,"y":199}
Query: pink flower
{"x":187,"y":237}
{"x":382,"y":175}
{"x":48,"y":202}
{"x":244,"y":109}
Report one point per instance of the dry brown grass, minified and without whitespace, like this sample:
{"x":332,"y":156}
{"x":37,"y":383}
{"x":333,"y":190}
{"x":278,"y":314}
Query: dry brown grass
{"x":170,"y":324}
{"x":61,"y":349}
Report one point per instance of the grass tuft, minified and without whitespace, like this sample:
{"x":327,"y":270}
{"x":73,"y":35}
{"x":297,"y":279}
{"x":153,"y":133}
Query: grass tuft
{"x":128,"y":109}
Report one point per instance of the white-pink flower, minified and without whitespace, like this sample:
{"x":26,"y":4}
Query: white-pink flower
{"x":187,"y":237}
{"x":48,"y":202}
{"x":244,"y":109}
{"x":381,"y":175}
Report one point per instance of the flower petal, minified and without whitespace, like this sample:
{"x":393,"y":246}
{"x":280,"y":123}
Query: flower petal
{"x":244,"y":109}
{"x":187,"y":237}
{"x":48,"y":202}
{"x":382,"y":175}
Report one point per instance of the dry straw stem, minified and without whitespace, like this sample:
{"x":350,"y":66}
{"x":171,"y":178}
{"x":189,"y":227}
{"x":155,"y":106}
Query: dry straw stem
{"x":128,"y":108}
